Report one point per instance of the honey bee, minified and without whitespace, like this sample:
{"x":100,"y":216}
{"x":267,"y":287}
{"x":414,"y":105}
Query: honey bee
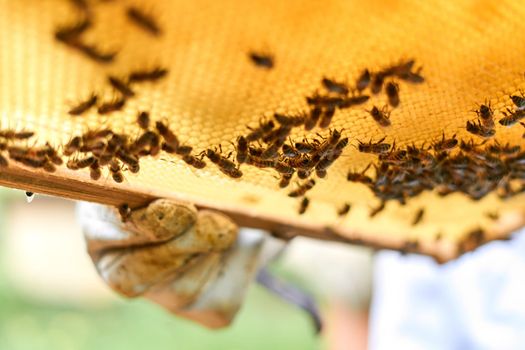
{"x":125,"y":212}
{"x":334,"y":86}
{"x":344,"y":210}
{"x":377,"y":82}
{"x":511,"y":117}
{"x":225,"y":165}
{"x":272,"y":151}
{"x":241,"y":150}
{"x":289,"y":120}
{"x":302,"y":189}
{"x":418,"y":217}
{"x":184,"y":150}
{"x":94,"y":171}
{"x":485,"y":113}
{"x":303,"y":174}
{"x":16,"y":135}
{"x":82,"y":107}
{"x":84,"y":162}
{"x":120,"y":86}
{"x":143,"y":20}
{"x":148,"y":138}
{"x":359,"y":177}
{"x":283,"y":168}
{"x":290,"y":151}
{"x":195,"y":162}
{"x":285,"y":180}
{"x":143,"y":120}
{"x":112,"y":106}
{"x":392,"y":91}
{"x":519,"y":101}
{"x":127,"y":158}
{"x":168,"y":135}
{"x":264,"y":128}
{"x":261,"y":163}
{"x":115,"y":170}
{"x":363,"y":80}
{"x":93,"y":52}
{"x":304,"y":162}
{"x":304,"y":205}
{"x":378,"y":147}
{"x":262,"y":60}
{"x":70,"y":33}
{"x":326,"y":117}
{"x":255,"y":151}
{"x":49,"y":166}
{"x":353,"y":101}
{"x":480,"y":130}
{"x":326,"y":161}
{"x":312,"y":118}
{"x":145,"y":75}
{"x":412,"y":77}
{"x":321,"y":173}
{"x":445,"y":144}
{"x":304,"y":147}
{"x":381,"y":116}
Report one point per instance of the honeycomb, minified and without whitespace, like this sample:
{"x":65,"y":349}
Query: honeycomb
{"x":470,"y":52}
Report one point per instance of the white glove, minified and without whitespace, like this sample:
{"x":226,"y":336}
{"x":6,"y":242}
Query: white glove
{"x":194,"y":263}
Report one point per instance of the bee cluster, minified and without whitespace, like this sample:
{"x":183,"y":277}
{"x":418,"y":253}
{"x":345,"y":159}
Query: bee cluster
{"x":446,"y":165}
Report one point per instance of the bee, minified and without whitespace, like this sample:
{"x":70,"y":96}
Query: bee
{"x":304,"y":205}
{"x":31,"y":162}
{"x":49,"y":166}
{"x":183,"y":150}
{"x":143,"y":120}
{"x":84,"y":162}
{"x":519,"y":101}
{"x":261,"y":163}
{"x":289,"y":120}
{"x":334,"y":86}
{"x":255,"y":151}
{"x":125,"y":212}
{"x":278,"y":135}
{"x":148,"y":138}
{"x":485,"y":113}
{"x":353,"y":101}
{"x":303,"y":174}
{"x":195,"y":162}
{"x":299,"y":162}
{"x":272,"y":151}
{"x":418,"y":217}
{"x":94,"y":171}
{"x":377,"y":210}
{"x":16,"y":135}
{"x":363,"y":80}
{"x":377,"y":82}
{"x":445,"y":144}
{"x":344,"y":210}
{"x":381,"y":116}
{"x":326,"y":117}
{"x":168,"y":135}
{"x":127,"y":158}
{"x":511,"y":117}
{"x":115,"y":170}
{"x":523,"y":124}
{"x":241,"y":149}
{"x":224,"y":164}
{"x":120,"y":86}
{"x":480,"y":130}
{"x":378,"y":147}
{"x":359,"y":177}
{"x":312,"y":118}
{"x":285,"y":180}
{"x":82,"y":107}
{"x":264,"y":128}
{"x":112,"y":106}
{"x":412,"y":77}
{"x":69,"y":34}
{"x":262,"y":60}
{"x":283,"y":168}
{"x":290,"y":151}
{"x":302,"y":189}
{"x":94,"y":52}
{"x":145,"y":75}
{"x":392,"y":91}
{"x":321,"y":173}
{"x":304,"y":147}
{"x":143,"y":20}
{"x":326,"y":161}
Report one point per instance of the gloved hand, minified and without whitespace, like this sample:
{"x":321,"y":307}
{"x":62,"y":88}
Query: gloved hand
{"x":193,"y":263}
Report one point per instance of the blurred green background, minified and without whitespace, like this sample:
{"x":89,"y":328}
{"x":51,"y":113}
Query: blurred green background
{"x":29,"y":322}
